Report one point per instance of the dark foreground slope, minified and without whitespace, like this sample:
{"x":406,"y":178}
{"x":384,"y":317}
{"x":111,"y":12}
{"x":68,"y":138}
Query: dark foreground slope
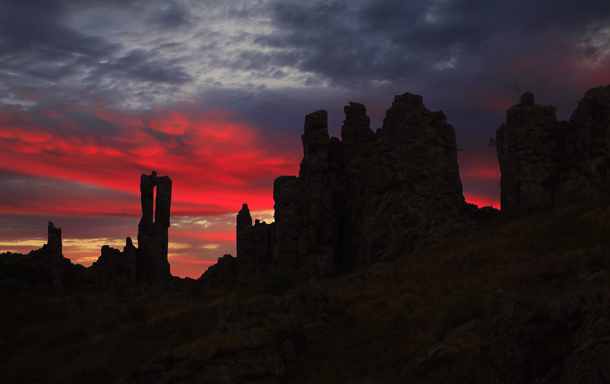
{"x":486,"y":307}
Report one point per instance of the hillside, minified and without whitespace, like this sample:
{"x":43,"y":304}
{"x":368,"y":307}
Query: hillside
{"x":374,"y":325}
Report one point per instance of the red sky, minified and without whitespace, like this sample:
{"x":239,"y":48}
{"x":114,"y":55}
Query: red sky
{"x":62,"y":168}
{"x":92,"y":94}
{"x":73,"y":161}
{"x":216,"y":164}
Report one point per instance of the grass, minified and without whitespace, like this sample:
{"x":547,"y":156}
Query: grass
{"x":384,"y":323}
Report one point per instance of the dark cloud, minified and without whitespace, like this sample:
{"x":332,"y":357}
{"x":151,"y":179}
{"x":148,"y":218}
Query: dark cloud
{"x":40,"y":48}
{"x":36,"y":26}
{"x":355,"y":43}
{"x":143,"y":66}
{"x":171,"y":16}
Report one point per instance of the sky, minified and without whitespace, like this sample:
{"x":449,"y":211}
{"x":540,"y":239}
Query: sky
{"x":214,"y":94}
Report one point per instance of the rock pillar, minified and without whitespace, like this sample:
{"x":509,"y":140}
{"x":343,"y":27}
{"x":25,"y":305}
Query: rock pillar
{"x":54,"y":243}
{"x":153,"y":235}
{"x":255,"y":244}
{"x":528,"y":145}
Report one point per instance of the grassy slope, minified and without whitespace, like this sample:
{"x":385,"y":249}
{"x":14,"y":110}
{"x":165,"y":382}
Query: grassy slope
{"x":384,"y":323}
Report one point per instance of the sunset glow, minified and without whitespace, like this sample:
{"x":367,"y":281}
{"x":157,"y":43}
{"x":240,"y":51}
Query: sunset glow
{"x":215,"y":96}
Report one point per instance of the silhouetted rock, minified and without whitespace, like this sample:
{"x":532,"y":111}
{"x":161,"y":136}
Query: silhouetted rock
{"x":528,"y":146}
{"x":153,"y":235}
{"x":51,"y":256}
{"x":403,"y":182}
{"x":114,"y":267}
{"x":224,"y":270}
{"x":54,"y":244}
{"x":289,"y":223}
{"x":370,"y":198}
{"x":586,"y":157}
{"x":254,"y":245}
{"x":543,"y":161}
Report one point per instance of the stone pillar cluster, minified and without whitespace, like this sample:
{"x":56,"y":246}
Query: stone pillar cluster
{"x":370,"y":197}
{"x":544,"y":161}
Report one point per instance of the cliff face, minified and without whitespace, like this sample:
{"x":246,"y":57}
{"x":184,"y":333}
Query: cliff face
{"x":528,"y":146}
{"x":587,"y":143}
{"x":370,"y":197}
{"x":403,"y":183}
{"x":308,"y":207}
{"x":543,"y":161}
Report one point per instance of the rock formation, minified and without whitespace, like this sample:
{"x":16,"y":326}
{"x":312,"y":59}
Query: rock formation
{"x":51,"y":255}
{"x":404,"y":188}
{"x":374,"y":196}
{"x":255,"y":245}
{"x":224,"y":270}
{"x":543,"y":161}
{"x":569,"y":345}
{"x":528,"y":147}
{"x":585,"y":159}
{"x":153,"y":237}
{"x":149,"y":261}
{"x":115,"y":267}
{"x":307,"y":209}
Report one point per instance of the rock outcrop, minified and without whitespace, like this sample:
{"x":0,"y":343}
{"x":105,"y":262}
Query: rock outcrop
{"x":114,"y":267}
{"x":153,"y":235}
{"x":403,"y":182}
{"x":372,"y":197}
{"x":585,"y":158}
{"x":255,"y":245}
{"x":148,"y":262}
{"x":51,"y":256}
{"x":568,"y":345}
{"x":544,"y":161}
{"x":528,"y":147}
{"x":223,"y":271}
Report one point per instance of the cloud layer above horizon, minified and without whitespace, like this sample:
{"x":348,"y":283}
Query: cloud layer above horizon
{"x":214,"y":94}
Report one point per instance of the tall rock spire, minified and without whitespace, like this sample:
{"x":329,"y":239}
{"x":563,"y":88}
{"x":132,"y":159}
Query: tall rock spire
{"x":153,"y":236}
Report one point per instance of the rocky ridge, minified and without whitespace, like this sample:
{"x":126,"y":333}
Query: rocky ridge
{"x":544,"y":161}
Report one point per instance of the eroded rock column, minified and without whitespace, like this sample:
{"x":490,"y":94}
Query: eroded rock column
{"x":527,"y":147}
{"x":153,"y":236}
